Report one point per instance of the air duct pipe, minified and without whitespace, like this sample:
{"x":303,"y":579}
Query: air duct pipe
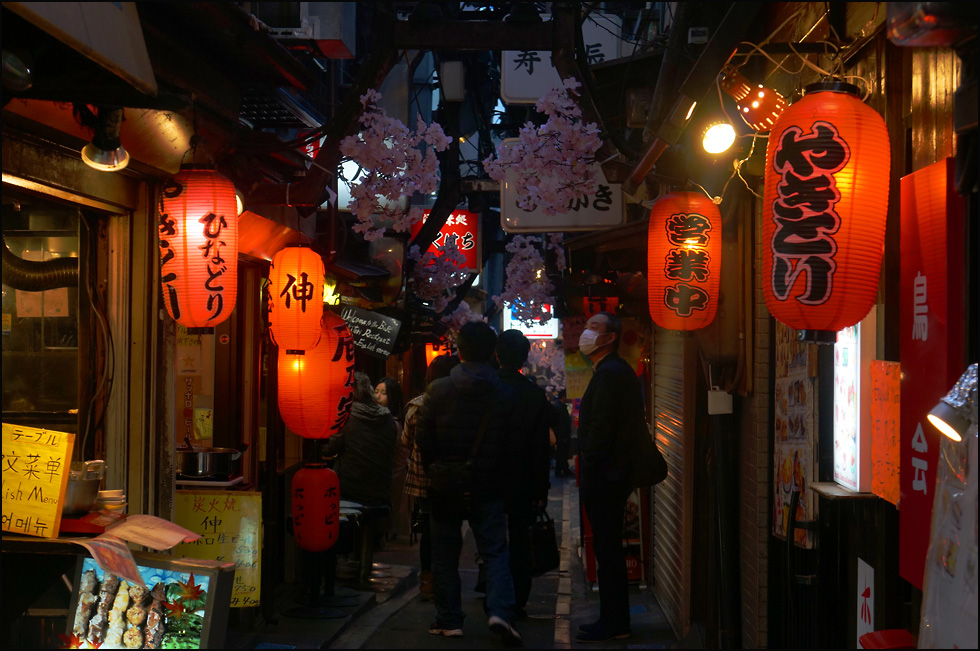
{"x":32,"y":276}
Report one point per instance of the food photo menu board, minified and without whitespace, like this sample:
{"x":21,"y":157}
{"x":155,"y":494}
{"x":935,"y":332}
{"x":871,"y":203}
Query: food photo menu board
{"x":181,"y":604}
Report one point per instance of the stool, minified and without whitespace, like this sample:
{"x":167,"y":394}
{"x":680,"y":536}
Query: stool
{"x":368,"y":519}
{"x":892,"y":638}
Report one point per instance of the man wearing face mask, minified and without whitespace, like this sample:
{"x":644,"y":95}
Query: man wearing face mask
{"x":611,"y":406}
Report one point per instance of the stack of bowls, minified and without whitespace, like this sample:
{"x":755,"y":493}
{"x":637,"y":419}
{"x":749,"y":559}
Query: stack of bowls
{"x":112,"y":500}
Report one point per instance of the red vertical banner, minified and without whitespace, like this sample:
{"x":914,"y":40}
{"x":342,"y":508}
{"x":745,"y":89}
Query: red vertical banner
{"x":885,"y":418}
{"x":931,"y":343}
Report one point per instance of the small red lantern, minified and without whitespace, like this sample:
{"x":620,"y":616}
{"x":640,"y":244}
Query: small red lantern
{"x":595,"y":304}
{"x":684,"y":261}
{"x":296,"y":298}
{"x":199,"y":247}
{"x":315,"y":389}
{"x":316,"y":507}
{"x":824,"y":210}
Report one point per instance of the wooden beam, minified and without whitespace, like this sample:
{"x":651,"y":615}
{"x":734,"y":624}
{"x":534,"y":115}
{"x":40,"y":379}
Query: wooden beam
{"x":417,"y":34}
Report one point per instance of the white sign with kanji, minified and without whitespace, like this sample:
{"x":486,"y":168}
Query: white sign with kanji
{"x":865,"y":600}
{"x":526,"y":75}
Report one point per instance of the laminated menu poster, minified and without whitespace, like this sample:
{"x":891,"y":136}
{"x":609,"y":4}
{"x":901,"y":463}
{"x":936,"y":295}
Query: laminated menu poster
{"x":35,"y":476}
{"x":230,"y":525}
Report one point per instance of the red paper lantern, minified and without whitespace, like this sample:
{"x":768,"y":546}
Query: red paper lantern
{"x":684,"y":261}
{"x":296,"y":298}
{"x":824,"y":210}
{"x":316,"y":507}
{"x":199,"y":247}
{"x":315,"y":389}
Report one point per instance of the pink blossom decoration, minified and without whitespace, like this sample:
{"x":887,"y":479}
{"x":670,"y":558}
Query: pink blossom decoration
{"x":554,"y":162}
{"x":526,"y":288}
{"x":436,"y":276}
{"x":394,"y":167}
{"x":460,"y":317}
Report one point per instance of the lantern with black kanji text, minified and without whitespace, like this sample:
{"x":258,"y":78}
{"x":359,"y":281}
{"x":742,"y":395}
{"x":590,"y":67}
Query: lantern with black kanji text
{"x":316,"y":389}
{"x":296,"y":298}
{"x":684,"y":261}
{"x":316,"y":507}
{"x":824,"y":211}
{"x":198,"y":242}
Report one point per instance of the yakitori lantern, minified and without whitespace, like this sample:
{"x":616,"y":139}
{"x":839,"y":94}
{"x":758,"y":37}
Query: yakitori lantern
{"x":315,"y":389}
{"x":296,"y":298}
{"x":316,"y":507}
{"x":824,"y":210}
{"x":684,"y":260}
{"x":199,"y":247}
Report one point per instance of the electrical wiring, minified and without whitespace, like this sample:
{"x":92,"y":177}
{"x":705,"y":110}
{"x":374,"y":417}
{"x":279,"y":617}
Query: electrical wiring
{"x":109,"y":362}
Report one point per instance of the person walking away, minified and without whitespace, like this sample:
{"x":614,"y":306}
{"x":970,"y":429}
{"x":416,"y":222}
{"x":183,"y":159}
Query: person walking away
{"x":562,"y":426}
{"x":416,"y":483}
{"x":531,"y":467}
{"x":364,"y":449}
{"x":611,"y":406}
{"x":389,"y":394}
{"x":470,"y":406}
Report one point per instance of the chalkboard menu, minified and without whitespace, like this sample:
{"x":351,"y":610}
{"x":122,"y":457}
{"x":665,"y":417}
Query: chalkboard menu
{"x":373,"y":333}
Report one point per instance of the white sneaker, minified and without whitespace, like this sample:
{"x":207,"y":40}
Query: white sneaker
{"x":508,"y":634}
{"x":436,"y":629}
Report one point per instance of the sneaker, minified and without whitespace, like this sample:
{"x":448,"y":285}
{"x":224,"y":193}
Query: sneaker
{"x":600,"y":634}
{"x":508,"y":634}
{"x":437,"y":629}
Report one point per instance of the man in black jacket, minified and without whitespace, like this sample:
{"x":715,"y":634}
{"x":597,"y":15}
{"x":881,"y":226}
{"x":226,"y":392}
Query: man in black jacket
{"x":450,"y":419}
{"x":531,"y":467}
{"x":611,"y":407}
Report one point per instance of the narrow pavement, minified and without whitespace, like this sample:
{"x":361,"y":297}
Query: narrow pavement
{"x":560,"y":600}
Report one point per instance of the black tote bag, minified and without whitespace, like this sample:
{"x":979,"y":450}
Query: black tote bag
{"x":544,"y":545}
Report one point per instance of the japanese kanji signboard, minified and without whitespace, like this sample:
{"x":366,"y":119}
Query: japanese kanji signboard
{"x":35,"y":475}
{"x":465,"y":225}
{"x":230,"y":525}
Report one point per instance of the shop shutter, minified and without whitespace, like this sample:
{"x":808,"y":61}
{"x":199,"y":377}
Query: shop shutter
{"x":672,"y":355}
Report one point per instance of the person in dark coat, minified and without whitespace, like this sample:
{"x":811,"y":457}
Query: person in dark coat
{"x":611,"y":408}
{"x":562,"y":426}
{"x":450,"y":419}
{"x":531,"y":466}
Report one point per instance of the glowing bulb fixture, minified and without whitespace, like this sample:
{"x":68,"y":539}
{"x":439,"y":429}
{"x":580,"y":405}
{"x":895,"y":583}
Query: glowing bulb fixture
{"x":718,"y":137}
{"x":954,"y":414}
{"x":759,"y":106}
{"x":106,"y":153}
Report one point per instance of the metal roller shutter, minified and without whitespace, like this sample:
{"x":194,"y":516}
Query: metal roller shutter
{"x":674,"y":496}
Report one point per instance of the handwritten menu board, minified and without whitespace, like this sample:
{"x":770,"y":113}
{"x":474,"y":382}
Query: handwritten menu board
{"x":373,"y":333}
{"x":886,"y":384}
{"x":230,"y":524}
{"x":35,"y":465}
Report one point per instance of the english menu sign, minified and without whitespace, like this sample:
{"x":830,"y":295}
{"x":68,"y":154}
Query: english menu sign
{"x":373,"y":333}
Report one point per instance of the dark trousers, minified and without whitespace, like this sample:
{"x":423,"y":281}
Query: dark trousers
{"x":605,"y":507}
{"x":562,"y":445}
{"x":519,"y":545}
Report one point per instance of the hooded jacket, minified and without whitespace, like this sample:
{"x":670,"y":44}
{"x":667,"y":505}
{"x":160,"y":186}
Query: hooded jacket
{"x":450,"y":417}
{"x":365,"y":448}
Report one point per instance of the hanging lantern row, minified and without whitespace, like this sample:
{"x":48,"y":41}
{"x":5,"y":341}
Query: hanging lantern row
{"x":824,"y":210}
{"x":316,"y":389}
{"x":199,"y":247}
{"x":315,"y":507}
{"x":296,"y":280}
{"x":684,"y":261}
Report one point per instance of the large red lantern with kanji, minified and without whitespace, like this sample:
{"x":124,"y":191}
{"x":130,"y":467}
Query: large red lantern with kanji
{"x":315,"y":389}
{"x":684,"y":260}
{"x":296,"y":298}
{"x":199,"y":246}
{"x":316,"y":507}
{"x":824,"y":210}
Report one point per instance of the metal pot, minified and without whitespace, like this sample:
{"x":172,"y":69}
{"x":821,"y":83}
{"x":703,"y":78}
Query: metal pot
{"x":84,"y":481}
{"x":207,"y":462}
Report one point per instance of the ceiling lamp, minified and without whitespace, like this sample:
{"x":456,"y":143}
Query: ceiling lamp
{"x":684,"y":261}
{"x":957,"y":411}
{"x":759,"y":106}
{"x":824,"y":210}
{"x":199,"y":247}
{"x":718,"y":137}
{"x":106,"y":153}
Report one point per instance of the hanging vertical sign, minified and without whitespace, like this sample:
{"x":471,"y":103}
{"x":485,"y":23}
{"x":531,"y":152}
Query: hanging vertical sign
{"x":885,"y":447}
{"x":931,"y":343}
{"x":526,"y":75}
{"x":465,"y":226}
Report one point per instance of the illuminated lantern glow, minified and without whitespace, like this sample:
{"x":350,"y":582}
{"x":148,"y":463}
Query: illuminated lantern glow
{"x":592,"y":305}
{"x":316,"y":389}
{"x":296,"y":280}
{"x":760,"y":107}
{"x":824,"y":210}
{"x":435,"y":350}
{"x":684,"y":261}
{"x":198,"y":241}
{"x":316,"y":507}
